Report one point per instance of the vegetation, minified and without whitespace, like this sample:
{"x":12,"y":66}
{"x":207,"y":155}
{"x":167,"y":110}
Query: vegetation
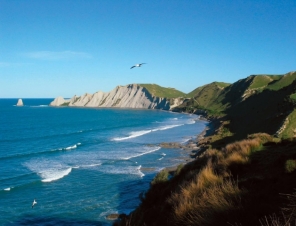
{"x":65,"y":104}
{"x":293,"y":96}
{"x":116,"y":103}
{"x":258,"y":103}
{"x":159,"y":91}
{"x":284,"y":81}
{"x":178,"y":170}
{"x":290,"y":165}
{"x":289,"y":127}
{"x":238,"y":184}
{"x":245,"y":173}
{"x":162,"y":176}
{"x":219,"y":85}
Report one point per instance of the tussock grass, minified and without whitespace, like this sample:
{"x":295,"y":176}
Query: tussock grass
{"x":287,"y":216}
{"x":213,"y":193}
{"x":205,"y":198}
{"x":234,"y":185}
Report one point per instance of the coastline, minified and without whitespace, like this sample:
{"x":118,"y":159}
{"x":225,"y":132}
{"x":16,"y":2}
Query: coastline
{"x":193,"y":148}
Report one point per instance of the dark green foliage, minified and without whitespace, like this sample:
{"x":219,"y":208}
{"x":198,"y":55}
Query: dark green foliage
{"x":290,"y":165}
{"x":293,"y":96}
{"x":162,"y":176}
{"x":178,"y":170}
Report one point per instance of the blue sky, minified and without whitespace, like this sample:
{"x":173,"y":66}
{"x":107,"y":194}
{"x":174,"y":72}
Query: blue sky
{"x":52,"y":48}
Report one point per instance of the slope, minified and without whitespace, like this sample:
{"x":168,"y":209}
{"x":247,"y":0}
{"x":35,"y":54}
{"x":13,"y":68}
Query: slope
{"x":160,"y":91}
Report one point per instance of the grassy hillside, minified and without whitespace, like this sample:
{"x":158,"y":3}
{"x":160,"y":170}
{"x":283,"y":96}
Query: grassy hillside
{"x":159,"y":91}
{"x":283,"y":81}
{"x":244,"y":183}
{"x":218,"y":85}
{"x":237,"y":179}
{"x":258,"y":103}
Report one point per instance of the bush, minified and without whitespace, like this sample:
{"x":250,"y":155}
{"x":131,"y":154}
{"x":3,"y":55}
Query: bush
{"x":290,"y":166}
{"x":162,"y":176}
{"x":179,"y":168}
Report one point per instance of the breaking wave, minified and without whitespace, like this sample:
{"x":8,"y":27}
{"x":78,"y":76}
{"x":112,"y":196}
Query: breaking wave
{"x":53,"y":174}
{"x":140,"y":154}
{"x":143,"y":132}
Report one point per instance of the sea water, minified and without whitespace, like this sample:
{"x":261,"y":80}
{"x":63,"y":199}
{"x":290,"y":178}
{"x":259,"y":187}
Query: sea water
{"x":81,"y":164}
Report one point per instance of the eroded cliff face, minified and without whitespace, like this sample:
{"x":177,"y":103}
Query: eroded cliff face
{"x":130,"y":96}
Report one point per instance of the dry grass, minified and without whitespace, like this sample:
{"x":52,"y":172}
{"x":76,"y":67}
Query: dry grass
{"x":205,"y":192}
{"x":205,"y":206}
{"x":212,"y":193}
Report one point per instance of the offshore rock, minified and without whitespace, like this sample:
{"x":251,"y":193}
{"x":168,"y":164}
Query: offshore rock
{"x":20,"y":103}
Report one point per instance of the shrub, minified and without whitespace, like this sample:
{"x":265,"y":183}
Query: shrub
{"x":290,"y":166}
{"x":162,"y":176}
{"x":179,"y":168}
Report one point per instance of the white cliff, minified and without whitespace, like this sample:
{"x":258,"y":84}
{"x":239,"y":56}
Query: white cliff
{"x":130,"y":96}
{"x":59,"y":101}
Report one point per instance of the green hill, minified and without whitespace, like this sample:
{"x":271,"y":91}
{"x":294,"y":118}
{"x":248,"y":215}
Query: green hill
{"x":214,"y":85}
{"x":245,"y":170}
{"x":160,"y":91}
{"x":258,"y":103}
{"x":282,"y":81}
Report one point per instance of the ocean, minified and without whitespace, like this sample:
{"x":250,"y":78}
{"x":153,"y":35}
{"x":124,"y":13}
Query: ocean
{"x":81,"y":164}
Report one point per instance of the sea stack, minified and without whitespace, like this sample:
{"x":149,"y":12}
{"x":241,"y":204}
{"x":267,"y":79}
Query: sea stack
{"x":20,"y":102}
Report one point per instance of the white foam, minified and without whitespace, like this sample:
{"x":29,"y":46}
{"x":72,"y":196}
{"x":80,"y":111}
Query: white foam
{"x":163,"y":154}
{"x":71,"y":147}
{"x":139,"y":172}
{"x":48,"y":170}
{"x":133,"y":135}
{"x":185,"y":140}
{"x":7,"y":189}
{"x":160,"y":158}
{"x":143,"y":132}
{"x":90,"y":165}
{"x":38,"y":106}
{"x":167,"y":127}
{"x":142,"y":153}
{"x":130,"y":170}
{"x":52,"y":175}
{"x":191,"y":122}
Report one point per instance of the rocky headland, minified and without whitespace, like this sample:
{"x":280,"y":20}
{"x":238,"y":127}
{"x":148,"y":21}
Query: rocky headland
{"x":129,"y":96}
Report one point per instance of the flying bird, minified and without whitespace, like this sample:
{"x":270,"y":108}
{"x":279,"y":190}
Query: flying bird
{"x":34,"y":203}
{"x":137,"y":65}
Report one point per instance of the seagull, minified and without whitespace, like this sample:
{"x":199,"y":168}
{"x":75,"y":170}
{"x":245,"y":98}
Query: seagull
{"x":34,"y":203}
{"x":137,"y":65}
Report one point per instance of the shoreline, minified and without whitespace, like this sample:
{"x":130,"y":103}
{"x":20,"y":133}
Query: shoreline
{"x":193,"y":148}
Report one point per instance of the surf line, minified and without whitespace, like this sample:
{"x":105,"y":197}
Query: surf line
{"x":143,"y":132}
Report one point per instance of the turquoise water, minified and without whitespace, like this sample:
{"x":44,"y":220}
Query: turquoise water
{"x":81,"y":164}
